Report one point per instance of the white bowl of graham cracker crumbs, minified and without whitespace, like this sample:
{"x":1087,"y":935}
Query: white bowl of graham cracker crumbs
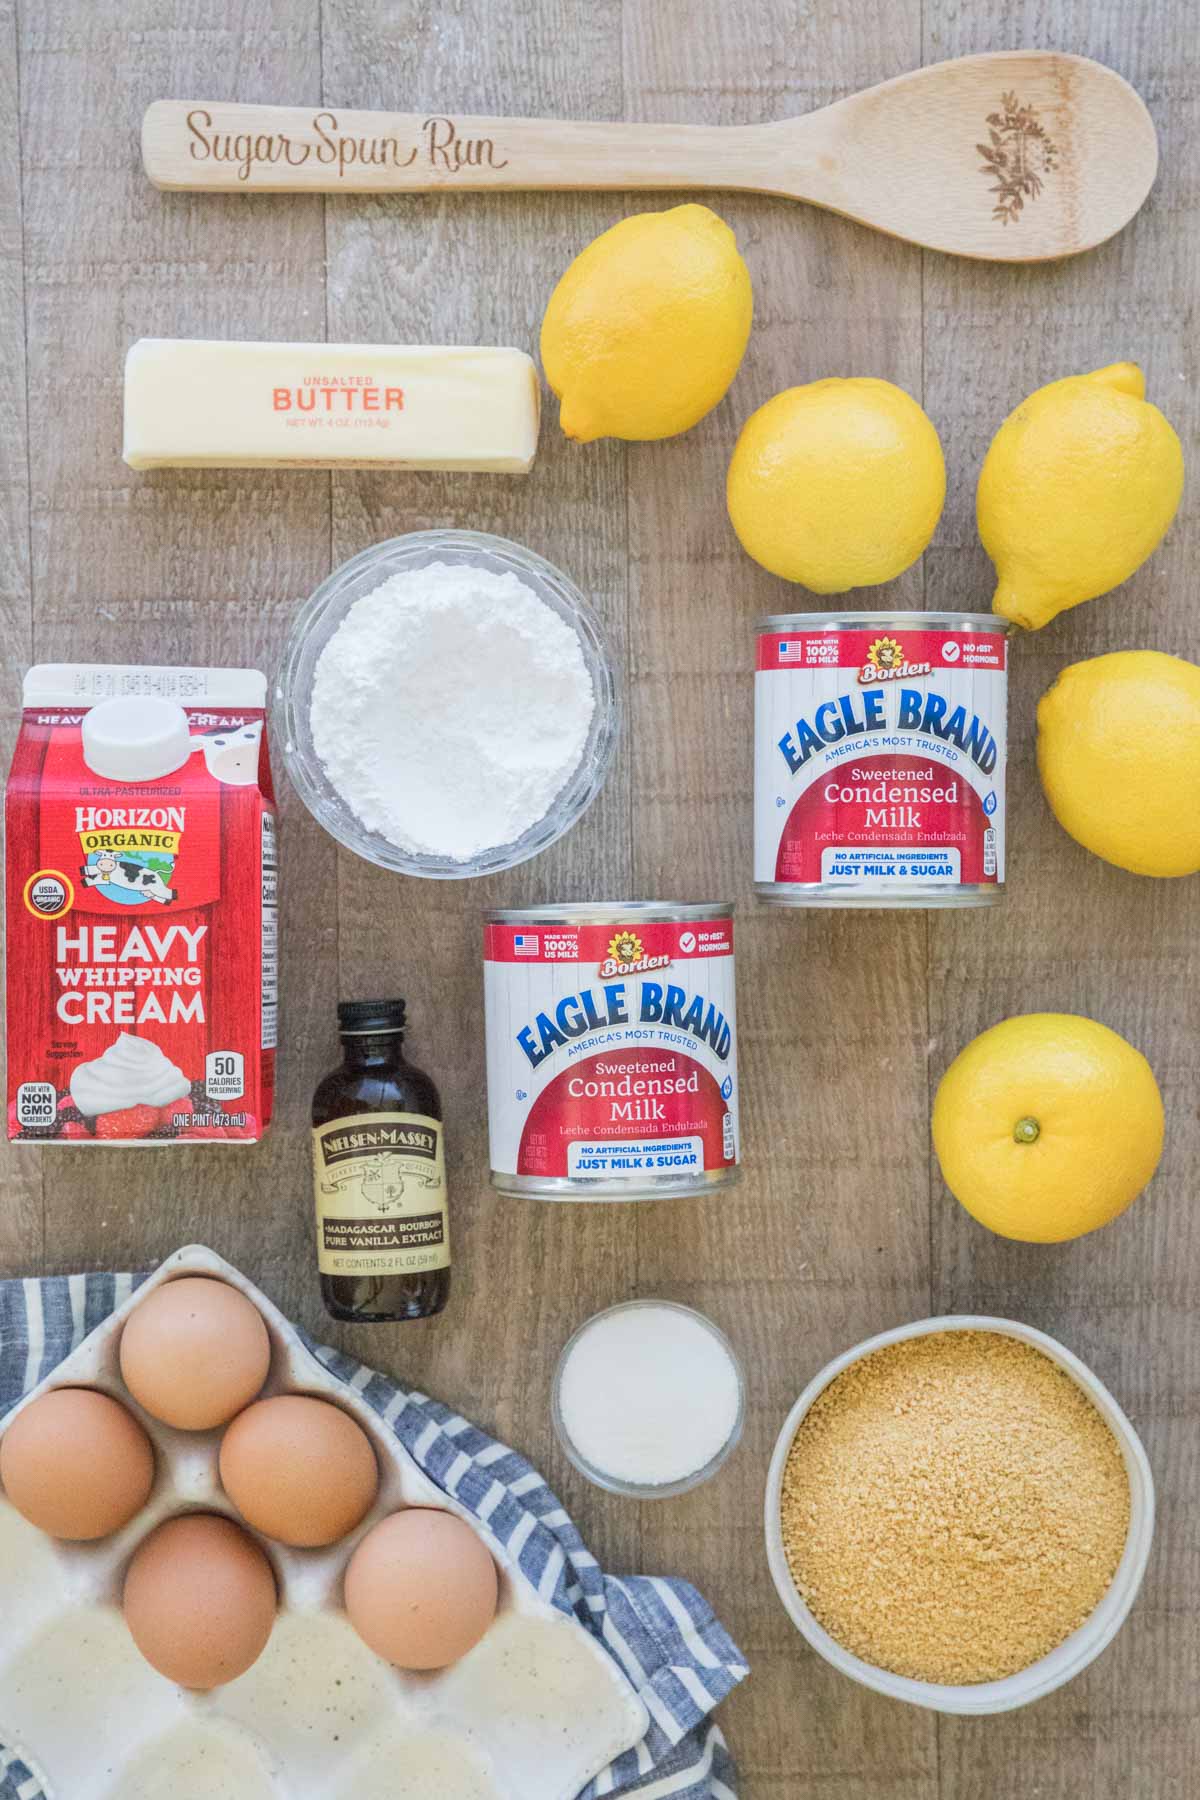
{"x":968,"y":1512}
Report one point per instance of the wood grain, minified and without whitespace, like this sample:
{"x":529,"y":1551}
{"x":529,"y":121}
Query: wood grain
{"x":525,"y":1274}
{"x":827,"y":1236}
{"x":187,"y":567}
{"x":1077,"y":936}
{"x":21,"y":1238}
{"x":841,"y":1226}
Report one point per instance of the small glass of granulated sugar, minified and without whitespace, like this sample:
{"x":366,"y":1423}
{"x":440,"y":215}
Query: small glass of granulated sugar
{"x":450,"y":705}
{"x":648,"y":1399}
{"x":953,"y":1507}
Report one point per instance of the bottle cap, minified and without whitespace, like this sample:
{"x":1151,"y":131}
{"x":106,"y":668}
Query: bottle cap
{"x":135,"y":738}
{"x":358,"y":1018}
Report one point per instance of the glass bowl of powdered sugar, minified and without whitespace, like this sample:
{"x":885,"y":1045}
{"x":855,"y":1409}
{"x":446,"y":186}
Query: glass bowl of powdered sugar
{"x":449,"y":704}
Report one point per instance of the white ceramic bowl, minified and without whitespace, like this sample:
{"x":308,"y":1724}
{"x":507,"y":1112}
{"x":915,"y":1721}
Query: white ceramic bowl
{"x":318,"y":620}
{"x":1076,"y":1652}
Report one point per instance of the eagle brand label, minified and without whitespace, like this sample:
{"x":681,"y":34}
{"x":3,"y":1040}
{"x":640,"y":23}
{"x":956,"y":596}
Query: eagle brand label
{"x":880,"y":761}
{"x":611,"y":1053}
{"x":380,"y":1185}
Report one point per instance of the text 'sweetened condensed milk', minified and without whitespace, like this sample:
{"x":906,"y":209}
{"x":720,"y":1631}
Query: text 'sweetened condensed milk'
{"x":611,"y":1051}
{"x":141,"y":924}
{"x":880,"y":749}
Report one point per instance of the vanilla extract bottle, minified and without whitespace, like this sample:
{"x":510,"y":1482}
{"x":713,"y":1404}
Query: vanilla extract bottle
{"x":379,"y":1176}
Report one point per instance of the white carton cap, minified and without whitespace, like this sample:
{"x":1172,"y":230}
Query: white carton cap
{"x":136,"y":738}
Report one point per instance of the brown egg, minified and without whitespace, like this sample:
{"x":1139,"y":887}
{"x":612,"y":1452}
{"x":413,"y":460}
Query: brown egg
{"x":199,"y":1600}
{"x":76,"y":1464}
{"x":421,"y":1589}
{"x":299,"y":1470}
{"x":194,"y":1352}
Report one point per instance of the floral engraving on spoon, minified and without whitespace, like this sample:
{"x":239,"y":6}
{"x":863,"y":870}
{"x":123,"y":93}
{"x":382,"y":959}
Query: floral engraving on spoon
{"x":1019,"y":154}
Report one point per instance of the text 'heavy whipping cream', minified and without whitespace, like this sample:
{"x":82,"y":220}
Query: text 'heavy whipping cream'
{"x":880,"y":745}
{"x":141,"y":927}
{"x":611,"y":1050}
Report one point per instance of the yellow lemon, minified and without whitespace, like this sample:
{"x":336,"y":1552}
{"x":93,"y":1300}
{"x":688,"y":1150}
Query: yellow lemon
{"x":1047,"y":1126}
{"x":645,"y":331}
{"x":1119,"y":757}
{"x":837,"y":485}
{"x":1078,"y":487}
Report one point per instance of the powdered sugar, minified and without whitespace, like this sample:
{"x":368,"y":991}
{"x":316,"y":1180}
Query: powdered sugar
{"x":450,"y":708}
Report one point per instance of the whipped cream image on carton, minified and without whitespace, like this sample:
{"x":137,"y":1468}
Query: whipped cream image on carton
{"x":141,"y":907}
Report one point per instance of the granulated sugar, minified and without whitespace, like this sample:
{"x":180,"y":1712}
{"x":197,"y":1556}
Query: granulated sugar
{"x":954,"y":1507}
{"x":450,"y":708}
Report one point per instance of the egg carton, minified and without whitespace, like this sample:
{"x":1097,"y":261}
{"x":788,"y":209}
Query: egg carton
{"x":533,"y":1712}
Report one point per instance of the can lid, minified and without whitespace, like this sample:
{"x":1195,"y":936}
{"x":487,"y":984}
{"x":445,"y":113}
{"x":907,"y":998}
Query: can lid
{"x":359,"y":1017}
{"x":883,"y":621}
{"x":135,"y":738}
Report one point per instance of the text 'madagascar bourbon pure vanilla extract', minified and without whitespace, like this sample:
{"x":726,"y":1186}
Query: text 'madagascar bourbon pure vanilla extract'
{"x":379,"y":1176}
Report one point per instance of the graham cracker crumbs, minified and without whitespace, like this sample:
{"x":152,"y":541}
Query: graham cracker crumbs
{"x":954,"y":1507}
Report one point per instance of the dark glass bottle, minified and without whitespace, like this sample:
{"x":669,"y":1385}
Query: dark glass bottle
{"x":379,"y":1179}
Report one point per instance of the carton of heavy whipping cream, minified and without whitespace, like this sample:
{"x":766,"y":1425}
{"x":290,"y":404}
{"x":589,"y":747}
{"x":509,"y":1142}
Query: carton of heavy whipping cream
{"x":141,"y":923}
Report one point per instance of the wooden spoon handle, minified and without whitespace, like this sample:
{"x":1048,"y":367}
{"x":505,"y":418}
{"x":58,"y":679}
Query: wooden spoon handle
{"x":273,"y":149}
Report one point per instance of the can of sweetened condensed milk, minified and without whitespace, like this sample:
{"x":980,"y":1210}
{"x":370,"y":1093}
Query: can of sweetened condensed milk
{"x":611,"y":1050}
{"x":880,"y":742}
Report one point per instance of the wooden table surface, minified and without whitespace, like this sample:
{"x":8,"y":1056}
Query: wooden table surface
{"x":842,"y":1226}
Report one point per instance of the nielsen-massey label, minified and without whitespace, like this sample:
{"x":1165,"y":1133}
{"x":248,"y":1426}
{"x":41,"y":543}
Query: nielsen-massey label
{"x":380,"y":1186}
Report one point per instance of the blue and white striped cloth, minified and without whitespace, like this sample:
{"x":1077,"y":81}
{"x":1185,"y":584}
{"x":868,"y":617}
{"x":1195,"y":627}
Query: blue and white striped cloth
{"x":678,"y":1657}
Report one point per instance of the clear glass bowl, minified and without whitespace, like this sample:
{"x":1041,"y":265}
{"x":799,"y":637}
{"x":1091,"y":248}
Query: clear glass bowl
{"x":660,"y":1490}
{"x":319,"y":619}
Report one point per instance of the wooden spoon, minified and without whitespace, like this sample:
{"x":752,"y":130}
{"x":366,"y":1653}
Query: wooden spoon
{"x":1016,"y":157}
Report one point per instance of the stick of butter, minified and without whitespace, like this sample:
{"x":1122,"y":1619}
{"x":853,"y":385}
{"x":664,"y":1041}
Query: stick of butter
{"x":199,"y":404}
